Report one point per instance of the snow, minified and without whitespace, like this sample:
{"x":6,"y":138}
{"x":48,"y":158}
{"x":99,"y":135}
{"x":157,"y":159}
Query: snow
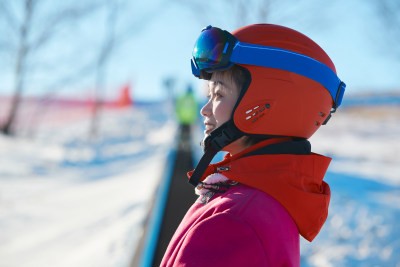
{"x":73,"y":221}
{"x":68,"y":200}
{"x":362,"y":228}
{"x":364,"y":141}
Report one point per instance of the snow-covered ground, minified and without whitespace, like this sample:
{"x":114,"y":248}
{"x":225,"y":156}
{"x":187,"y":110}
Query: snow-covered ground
{"x":362,"y":227}
{"x":66,"y":200}
{"x":69,"y":201}
{"x":364,"y":141}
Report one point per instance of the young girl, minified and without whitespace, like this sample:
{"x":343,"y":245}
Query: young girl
{"x":270,"y":88}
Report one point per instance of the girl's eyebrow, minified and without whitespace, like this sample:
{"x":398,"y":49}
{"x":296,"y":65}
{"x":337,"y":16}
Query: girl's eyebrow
{"x":220,"y":82}
{"x":215,"y":83}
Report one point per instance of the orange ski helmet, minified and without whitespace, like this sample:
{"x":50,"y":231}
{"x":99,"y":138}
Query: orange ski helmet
{"x":280,"y":102}
{"x":293,"y":86}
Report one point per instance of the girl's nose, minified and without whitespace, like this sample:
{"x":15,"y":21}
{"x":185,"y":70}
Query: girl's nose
{"x":206,"y":109}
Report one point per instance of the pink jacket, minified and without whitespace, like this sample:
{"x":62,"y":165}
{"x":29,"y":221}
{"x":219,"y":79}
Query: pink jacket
{"x":241,"y":227}
{"x":258,"y":221}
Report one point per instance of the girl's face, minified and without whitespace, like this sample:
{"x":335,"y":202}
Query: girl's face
{"x":222,"y":96}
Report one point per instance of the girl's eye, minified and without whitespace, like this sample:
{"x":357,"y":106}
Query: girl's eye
{"x":218,"y":95}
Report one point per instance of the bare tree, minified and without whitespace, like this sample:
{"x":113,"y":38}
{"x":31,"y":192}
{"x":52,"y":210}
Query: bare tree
{"x":115,"y":36}
{"x":36,"y":30}
{"x":30,"y":37}
{"x":241,"y":12}
{"x":102,"y":60}
{"x":23,"y":50}
{"x":247,"y":11}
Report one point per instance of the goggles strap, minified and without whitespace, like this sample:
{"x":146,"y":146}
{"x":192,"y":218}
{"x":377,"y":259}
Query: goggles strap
{"x":217,"y":140}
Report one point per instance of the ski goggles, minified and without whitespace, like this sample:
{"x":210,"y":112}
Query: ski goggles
{"x":216,"y":49}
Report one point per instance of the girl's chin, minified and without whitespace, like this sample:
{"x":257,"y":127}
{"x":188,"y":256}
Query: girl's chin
{"x":207,"y":132}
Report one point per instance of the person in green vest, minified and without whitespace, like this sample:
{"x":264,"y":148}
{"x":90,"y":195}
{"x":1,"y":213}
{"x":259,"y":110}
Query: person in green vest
{"x":186,"y":109}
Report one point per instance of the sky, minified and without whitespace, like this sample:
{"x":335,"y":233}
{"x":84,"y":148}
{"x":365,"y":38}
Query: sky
{"x":345,"y":33}
{"x":349,"y":31}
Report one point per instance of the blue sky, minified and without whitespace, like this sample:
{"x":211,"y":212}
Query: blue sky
{"x":349,"y":31}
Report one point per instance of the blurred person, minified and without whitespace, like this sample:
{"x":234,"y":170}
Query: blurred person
{"x":186,"y":109}
{"x":270,"y":89}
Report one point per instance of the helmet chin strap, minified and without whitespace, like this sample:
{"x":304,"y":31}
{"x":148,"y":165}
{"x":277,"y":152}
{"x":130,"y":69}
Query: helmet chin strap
{"x":219,"y":138}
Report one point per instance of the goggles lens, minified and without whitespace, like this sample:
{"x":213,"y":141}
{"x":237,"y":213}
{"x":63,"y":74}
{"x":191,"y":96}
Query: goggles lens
{"x":212,"y":49}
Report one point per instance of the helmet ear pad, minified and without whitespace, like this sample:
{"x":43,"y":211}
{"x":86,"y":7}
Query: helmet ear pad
{"x":282,"y":103}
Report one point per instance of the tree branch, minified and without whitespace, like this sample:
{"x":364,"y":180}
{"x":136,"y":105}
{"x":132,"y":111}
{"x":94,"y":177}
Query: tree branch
{"x":62,"y":17}
{"x":7,"y":15}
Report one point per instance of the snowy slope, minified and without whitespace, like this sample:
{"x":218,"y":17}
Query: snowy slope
{"x":364,"y":141}
{"x":67,"y":201}
{"x":364,"y":176}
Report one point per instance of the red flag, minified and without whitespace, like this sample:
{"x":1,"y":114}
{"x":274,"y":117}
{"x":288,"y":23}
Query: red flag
{"x":124,"y":98}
